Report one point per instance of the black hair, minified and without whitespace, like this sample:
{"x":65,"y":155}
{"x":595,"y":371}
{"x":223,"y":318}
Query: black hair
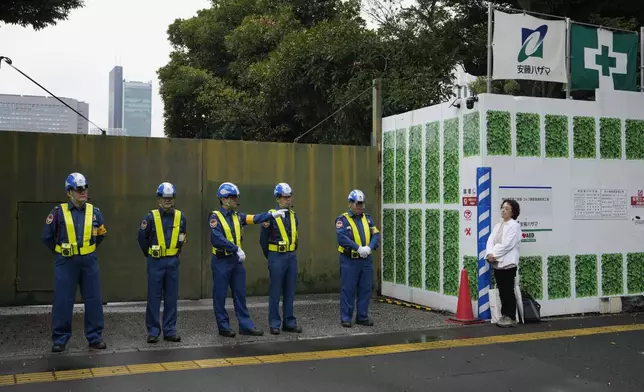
{"x":514,"y":205}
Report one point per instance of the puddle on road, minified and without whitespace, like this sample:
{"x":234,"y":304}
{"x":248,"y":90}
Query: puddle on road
{"x":422,"y":339}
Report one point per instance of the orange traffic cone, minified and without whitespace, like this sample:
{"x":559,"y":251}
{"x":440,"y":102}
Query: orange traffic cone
{"x":464,"y":314}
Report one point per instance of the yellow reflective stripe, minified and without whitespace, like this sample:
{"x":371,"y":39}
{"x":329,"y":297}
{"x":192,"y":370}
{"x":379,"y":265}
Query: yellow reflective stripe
{"x":71,"y":231}
{"x":176,"y":225}
{"x":229,"y":235}
{"x":356,"y":233}
{"x":89,"y":214}
{"x":250,"y":219}
{"x":175,"y":230}
{"x":159,"y":228}
{"x":280,"y":225}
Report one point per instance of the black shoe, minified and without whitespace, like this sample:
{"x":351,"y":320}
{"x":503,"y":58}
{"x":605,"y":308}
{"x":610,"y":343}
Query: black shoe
{"x":346,"y":324}
{"x":275,"y":331}
{"x":366,"y":322}
{"x":252,"y":332}
{"x":295,"y":329}
{"x":229,"y":333}
{"x":99,"y":345}
{"x":173,"y":338}
{"x":153,"y":339}
{"x":58,"y":348}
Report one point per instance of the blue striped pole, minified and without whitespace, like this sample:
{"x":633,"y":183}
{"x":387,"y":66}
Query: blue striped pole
{"x":484,"y":195}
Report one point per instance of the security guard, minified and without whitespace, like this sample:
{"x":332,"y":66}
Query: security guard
{"x":228,"y":258}
{"x":357,"y":237}
{"x":73,"y":230}
{"x":161,"y":236}
{"x":278,"y":240}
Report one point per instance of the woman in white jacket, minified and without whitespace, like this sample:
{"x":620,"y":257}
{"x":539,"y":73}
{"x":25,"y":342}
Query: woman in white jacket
{"x":503,"y":254}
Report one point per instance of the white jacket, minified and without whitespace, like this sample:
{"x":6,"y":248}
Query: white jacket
{"x":507,"y":252}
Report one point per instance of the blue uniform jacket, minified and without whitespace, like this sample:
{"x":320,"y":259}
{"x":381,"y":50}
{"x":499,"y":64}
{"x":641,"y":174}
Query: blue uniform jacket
{"x":55,"y":232}
{"x":147,"y":231}
{"x":218,"y":236}
{"x":345,"y":235}
{"x":271,"y":233}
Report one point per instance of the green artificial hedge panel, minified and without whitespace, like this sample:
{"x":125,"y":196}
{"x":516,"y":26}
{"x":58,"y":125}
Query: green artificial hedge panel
{"x":612,"y":274}
{"x":530,"y":269}
{"x":388,"y":174}
{"x":432,"y":250}
{"x":558,"y":277}
{"x":610,"y":138}
{"x":450,"y":252}
{"x":470,"y":263}
{"x":499,"y":133}
{"x":401,"y":239}
{"x":432,"y":162}
{"x":556,"y":136}
{"x":388,"y":244}
{"x":416,"y":164}
{"x":528,"y":135}
{"x":450,"y":161}
{"x":401,"y":165}
{"x":586,"y":276}
{"x":471,"y":135}
{"x":635,"y":272}
{"x":583,"y":137}
{"x":634,"y":139}
{"x":415,"y":226}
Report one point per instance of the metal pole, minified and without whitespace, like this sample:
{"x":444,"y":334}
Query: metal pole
{"x":376,"y":140}
{"x":490,"y":8}
{"x":568,"y":78}
{"x":642,"y":59}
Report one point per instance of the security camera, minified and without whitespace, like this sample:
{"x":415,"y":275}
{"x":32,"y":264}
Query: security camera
{"x":469,"y":102}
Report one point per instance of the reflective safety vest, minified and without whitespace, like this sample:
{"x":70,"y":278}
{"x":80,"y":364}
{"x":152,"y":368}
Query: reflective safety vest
{"x":285,"y":245}
{"x":71,"y":248}
{"x":229,"y":234}
{"x":356,"y":235}
{"x":160,"y":249}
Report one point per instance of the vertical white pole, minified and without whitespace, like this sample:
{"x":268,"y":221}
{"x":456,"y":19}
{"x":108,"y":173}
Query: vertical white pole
{"x":642,"y":59}
{"x":568,"y":78}
{"x":490,"y":8}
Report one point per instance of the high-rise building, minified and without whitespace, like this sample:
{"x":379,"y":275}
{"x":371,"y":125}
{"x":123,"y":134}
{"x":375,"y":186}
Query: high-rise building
{"x":137,"y":108}
{"x":32,"y":113}
{"x":115,"y":115}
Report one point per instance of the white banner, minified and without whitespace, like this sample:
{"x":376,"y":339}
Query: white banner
{"x":525,"y":47}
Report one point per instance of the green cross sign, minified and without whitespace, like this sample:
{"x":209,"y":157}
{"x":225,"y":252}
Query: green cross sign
{"x":605,"y":61}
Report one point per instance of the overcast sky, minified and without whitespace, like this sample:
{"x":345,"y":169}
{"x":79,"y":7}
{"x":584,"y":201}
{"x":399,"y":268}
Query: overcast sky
{"x":73,"y":59}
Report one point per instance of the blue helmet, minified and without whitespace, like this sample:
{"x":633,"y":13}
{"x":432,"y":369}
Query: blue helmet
{"x":166,"y":189}
{"x":282,"y":189}
{"x":227,"y":189}
{"x":75,"y":181}
{"x":356,"y":195}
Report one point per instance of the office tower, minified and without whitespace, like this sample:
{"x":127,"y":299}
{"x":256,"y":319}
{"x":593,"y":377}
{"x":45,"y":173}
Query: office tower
{"x":137,"y":108}
{"x":115,"y":115}
{"x":32,"y":113}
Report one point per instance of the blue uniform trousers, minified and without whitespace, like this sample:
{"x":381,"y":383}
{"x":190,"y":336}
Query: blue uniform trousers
{"x":69,"y":273}
{"x":282,"y":268}
{"x":355,"y":275}
{"x":163,"y":277}
{"x":229,"y":272}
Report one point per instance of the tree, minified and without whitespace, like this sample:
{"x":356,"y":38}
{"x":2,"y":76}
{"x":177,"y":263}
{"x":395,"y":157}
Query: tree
{"x":37,"y":13}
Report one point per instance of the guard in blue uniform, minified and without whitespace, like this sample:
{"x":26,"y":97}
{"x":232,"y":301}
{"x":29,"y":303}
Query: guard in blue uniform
{"x":161,"y":236}
{"x":228,"y":258}
{"x":72,"y":231}
{"x":278,"y":240}
{"x":357,"y":238}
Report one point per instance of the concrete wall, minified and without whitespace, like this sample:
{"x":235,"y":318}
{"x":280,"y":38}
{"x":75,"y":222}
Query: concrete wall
{"x":123,"y":174}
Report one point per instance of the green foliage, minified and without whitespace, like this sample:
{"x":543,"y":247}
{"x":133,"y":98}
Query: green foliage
{"x":401,"y":235}
{"x":530,"y":269}
{"x":635,"y":273}
{"x":450,"y":251}
{"x":37,"y":13}
{"x":528,"y":135}
{"x":586,"y":275}
{"x":388,"y":174}
{"x":401,"y":165}
{"x":634,"y":139}
{"x":610,"y":138}
{"x":415,"y":164}
{"x":432,"y":250}
{"x":583,"y":131}
{"x":470,"y":263}
{"x":558,"y":277}
{"x":499,"y":133}
{"x":612,"y":278}
{"x":450,"y":161}
{"x":556,"y":136}
{"x":388,"y":244}
{"x":432,"y":162}
{"x":471,"y":135}
{"x":415,"y":226}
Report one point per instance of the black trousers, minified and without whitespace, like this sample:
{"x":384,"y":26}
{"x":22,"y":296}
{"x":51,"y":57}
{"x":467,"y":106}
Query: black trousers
{"x":505,"y":284}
